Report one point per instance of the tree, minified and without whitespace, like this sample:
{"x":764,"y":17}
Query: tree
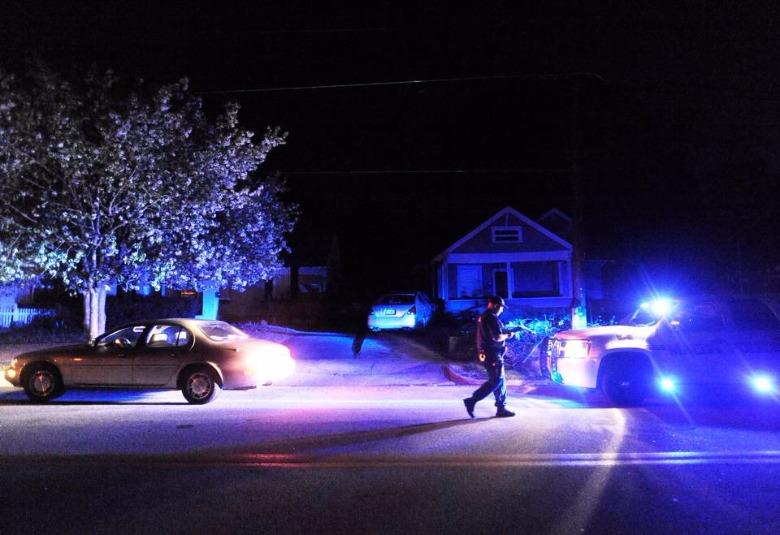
{"x":103,"y":184}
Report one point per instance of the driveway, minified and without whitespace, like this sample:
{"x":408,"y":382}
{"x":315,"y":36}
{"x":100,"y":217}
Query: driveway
{"x":325,"y":359}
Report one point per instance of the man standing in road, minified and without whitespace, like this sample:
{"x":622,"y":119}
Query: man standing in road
{"x":491,"y":346}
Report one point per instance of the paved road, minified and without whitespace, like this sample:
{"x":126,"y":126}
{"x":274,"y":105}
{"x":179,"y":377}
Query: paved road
{"x":385,"y":459}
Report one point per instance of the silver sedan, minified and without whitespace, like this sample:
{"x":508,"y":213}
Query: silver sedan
{"x":198,"y":357}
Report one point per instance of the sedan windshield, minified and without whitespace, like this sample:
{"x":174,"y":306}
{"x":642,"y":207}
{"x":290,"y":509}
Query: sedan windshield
{"x":219,"y":331}
{"x":396,"y":299}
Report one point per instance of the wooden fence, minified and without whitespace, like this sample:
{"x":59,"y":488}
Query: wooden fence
{"x":21,"y":316}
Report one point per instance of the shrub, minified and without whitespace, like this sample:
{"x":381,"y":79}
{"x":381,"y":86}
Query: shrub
{"x":524,"y":350}
{"x":41,"y":334}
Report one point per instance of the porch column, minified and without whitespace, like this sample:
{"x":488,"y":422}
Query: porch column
{"x":445,"y":285}
{"x":510,"y":280}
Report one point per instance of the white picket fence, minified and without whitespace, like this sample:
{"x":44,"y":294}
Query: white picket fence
{"x":21,"y":316}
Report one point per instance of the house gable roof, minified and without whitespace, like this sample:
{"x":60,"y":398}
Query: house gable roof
{"x":507,"y":211}
{"x":557,"y":222}
{"x":554,"y":213}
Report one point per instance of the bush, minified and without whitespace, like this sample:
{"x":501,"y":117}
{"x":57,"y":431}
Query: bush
{"x":524,"y":350}
{"x":37,"y":333}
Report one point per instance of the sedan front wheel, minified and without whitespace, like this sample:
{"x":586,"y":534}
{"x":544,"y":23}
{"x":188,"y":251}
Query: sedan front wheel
{"x":42,"y":382}
{"x":200,"y":386}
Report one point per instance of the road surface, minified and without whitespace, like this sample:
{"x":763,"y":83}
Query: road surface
{"x":385,"y":459}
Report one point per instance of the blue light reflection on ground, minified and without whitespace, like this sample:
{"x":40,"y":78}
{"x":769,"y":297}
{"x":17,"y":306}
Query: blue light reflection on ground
{"x":97,"y":396}
{"x":565,"y":397}
{"x":561,"y":403}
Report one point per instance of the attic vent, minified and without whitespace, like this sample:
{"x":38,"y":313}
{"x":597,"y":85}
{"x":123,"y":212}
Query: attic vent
{"x":507,"y":234}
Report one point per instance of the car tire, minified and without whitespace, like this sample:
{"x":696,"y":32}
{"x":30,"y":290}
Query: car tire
{"x":200,"y":385}
{"x":625,"y":387}
{"x":42,"y":382}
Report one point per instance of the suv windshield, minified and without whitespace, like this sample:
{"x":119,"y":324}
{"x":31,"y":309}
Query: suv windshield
{"x":641,"y":316}
{"x":219,"y":331}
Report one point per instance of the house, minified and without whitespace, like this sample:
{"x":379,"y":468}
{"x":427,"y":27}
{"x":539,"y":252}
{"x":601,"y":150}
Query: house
{"x":304,"y":282}
{"x":508,"y":255}
{"x":592,"y":268}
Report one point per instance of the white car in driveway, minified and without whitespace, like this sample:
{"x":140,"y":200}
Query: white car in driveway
{"x":673,"y":348}
{"x":400,"y":310}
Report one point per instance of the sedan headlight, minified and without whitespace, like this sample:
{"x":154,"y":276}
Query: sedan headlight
{"x":574,"y":349}
{"x":269,"y":363}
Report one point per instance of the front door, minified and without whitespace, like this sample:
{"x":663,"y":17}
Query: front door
{"x":110,"y":363}
{"x":158,"y":358}
{"x":694,"y":345}
{"x":501,"y":283}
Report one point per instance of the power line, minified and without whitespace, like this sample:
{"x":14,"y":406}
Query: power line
{"x":534,"y":77}
{"x":558,"y":170}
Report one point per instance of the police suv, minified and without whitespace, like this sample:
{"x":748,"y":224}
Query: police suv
{"x":671,"y":346}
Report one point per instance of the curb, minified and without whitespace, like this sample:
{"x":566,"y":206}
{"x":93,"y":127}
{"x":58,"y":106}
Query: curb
{"x":457,"y":378}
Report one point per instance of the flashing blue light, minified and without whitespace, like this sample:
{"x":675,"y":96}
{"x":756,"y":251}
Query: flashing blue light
{"x":764,"y":384}
{"x":667,"y":385}
{"x":660,"y":307}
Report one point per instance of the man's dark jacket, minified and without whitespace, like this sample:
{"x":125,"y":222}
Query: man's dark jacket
{"x":489,"y":328}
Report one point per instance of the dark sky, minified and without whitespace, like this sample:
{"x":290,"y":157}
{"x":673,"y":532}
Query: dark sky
{"x":670,"y":113}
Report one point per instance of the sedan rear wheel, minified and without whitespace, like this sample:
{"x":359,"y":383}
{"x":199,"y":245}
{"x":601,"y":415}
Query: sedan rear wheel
{"x":200,"y":386}
{"x":42,"y":382}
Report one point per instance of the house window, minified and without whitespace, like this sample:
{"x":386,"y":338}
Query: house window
{"x":536,"y":279}
{"x":470,"y":281}
{"x":507,"y":234}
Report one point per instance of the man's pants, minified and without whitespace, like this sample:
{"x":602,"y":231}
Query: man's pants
{"x":494,"y":384}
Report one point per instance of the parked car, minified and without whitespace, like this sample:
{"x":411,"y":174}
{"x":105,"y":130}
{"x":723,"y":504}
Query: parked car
{"x":198,"y":357}
{"x":409,"y":310}
{"x":673,"y":347}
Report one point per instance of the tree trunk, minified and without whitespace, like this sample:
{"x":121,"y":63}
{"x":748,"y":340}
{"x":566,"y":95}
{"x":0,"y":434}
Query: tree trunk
{"x":87,"y":307}
{"x":94,"y":311}
{"x":101,"y":310}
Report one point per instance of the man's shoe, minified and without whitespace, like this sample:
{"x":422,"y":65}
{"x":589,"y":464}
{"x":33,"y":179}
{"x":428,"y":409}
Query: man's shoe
{"x":504,"y":413}
{"x":469,"y":403}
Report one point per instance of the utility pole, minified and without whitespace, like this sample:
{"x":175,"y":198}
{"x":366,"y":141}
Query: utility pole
{"x":579,"y":311}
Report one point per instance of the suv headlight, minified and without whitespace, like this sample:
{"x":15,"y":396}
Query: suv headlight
{"x":574,"y":349}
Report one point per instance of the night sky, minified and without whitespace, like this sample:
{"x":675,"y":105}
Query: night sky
{"x":670,"y":113}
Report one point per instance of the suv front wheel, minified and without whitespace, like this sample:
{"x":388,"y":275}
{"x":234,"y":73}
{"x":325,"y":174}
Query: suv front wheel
{"x":625,"y":386}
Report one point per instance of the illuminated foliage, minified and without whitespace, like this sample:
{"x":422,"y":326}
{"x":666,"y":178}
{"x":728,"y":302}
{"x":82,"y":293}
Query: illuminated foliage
{"x":102,"y":183}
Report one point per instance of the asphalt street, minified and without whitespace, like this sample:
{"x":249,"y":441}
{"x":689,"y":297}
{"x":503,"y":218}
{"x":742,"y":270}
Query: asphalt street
{"x":382,"y":444}
{"x":379,"y":459}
